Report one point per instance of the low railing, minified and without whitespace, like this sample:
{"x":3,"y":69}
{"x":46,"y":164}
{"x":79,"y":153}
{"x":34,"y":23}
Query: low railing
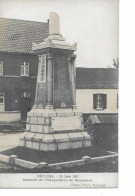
{"x":13,"y":160}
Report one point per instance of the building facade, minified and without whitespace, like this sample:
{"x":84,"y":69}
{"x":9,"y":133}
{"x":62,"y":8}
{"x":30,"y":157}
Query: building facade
{"x":18,"y":66}
{"x":17,"y":84}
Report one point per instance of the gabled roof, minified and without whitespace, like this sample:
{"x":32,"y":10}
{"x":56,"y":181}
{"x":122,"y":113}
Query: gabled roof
{"x":17,"y":35}
{"x":96,"y":78}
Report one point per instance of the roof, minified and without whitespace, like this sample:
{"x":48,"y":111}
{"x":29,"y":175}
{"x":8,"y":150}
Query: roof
{"x":17,"y":35}
{"x":96,"y":78}
{"x":96,"y":119}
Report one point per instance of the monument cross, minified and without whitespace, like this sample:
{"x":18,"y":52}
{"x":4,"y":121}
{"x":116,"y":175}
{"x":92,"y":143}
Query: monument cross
{"x":54,"y":123}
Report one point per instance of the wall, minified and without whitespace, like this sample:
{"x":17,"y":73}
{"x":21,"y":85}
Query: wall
{"x":84,"y":100}
{"x":8,"y":117}
{"x":12,"y":83}
{"x":12,"y":63}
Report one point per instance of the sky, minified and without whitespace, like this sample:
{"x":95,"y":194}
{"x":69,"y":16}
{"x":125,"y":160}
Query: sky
{"x":92,"y":24}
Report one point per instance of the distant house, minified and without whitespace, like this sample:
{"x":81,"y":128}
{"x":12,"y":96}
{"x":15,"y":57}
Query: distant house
{"x":97,"y":88}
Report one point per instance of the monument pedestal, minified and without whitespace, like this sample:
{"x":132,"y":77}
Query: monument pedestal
{"x":55,"y":130}
{"x":54,"y":122}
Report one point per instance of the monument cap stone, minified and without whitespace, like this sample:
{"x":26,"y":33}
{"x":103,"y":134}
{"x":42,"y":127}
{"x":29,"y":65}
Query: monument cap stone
{"x":54,"y":23}
{"x":55,"y":39}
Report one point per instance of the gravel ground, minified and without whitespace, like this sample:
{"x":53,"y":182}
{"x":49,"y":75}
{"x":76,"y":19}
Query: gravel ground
{"x":9,"y":140}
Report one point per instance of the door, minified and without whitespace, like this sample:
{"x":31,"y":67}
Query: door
{"x":25,"y":103}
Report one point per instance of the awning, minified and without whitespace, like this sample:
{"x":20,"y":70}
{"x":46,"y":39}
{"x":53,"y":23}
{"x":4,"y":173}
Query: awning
{"x":103,"y":118}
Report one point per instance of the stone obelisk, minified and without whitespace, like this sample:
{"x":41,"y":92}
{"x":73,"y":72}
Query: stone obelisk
{"x":54,"y":123}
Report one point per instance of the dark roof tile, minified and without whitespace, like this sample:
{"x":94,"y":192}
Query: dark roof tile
{"x":96,"y":78}
{"x":18,"y":35}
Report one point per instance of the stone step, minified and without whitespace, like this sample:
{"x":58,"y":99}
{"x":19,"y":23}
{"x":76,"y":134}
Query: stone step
{"x":53,"y":142}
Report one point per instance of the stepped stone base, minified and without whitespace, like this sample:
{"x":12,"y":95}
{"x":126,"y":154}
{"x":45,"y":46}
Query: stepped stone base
{"x":51,"y":130}
{"x":53,"y":142}
{"x":49,"y":121}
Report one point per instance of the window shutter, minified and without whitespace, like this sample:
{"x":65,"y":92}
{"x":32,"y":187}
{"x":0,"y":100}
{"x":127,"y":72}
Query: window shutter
{"x":1,"y":68}
{"x":27,"y":70}
{"x":22,"y":70}
{"x":104,"y":101}
{"x":94,"y":101}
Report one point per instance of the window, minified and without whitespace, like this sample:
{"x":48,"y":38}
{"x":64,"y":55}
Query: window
{"x":1,"y":68}
{"x":1,"y":101}
{"x":25,"y":69}
{"x":25,"y":94}
{"x":99,"y":101}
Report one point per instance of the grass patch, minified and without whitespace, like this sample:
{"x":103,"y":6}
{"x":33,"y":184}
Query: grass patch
{"x":54,"y":156}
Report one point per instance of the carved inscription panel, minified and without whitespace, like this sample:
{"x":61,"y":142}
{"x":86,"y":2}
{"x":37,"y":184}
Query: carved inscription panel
{"x":40,"y":98}
{"x":66,"y":123}
{"x":42,"y":69}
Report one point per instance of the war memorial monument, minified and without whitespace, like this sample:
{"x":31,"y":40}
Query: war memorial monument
{"x":54,"y":123}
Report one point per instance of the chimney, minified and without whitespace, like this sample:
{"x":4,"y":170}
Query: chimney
{"x":54,"y":24}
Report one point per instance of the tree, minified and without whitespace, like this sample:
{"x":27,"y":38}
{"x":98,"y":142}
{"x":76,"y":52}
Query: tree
{"x":116,"y":63}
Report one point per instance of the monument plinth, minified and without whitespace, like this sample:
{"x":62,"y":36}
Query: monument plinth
{"x":54,"y":123}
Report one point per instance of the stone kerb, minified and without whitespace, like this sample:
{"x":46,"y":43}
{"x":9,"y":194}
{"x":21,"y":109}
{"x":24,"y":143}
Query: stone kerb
{"x":86,"y":159}
{"x":42,"y":165}
{"x":25,"y":164}
{"x":4,"y":158}
{"x":67,"y":164}
{"x":12,"y":159}
{"x":15,"y":161}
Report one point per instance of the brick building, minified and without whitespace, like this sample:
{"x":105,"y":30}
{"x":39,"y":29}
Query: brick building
{"x":18,"y":66}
